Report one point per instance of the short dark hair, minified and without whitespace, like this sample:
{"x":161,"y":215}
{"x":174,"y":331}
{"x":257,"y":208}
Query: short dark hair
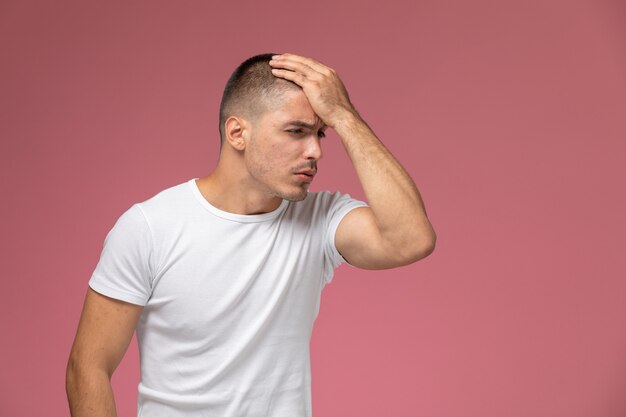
{"x":250,"y":89}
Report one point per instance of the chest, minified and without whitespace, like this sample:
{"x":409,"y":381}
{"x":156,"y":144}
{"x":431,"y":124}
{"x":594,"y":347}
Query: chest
{"x":224,"y":278}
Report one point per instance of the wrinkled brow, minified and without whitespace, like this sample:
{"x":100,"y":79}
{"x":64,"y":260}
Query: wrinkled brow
{"x":302,"y":123}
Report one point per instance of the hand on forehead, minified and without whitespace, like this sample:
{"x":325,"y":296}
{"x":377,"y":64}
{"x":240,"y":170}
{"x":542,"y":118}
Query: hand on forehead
{"x":321,"y":85}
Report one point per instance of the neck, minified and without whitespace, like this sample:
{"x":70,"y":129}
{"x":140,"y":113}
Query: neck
{"x":231,"y":188}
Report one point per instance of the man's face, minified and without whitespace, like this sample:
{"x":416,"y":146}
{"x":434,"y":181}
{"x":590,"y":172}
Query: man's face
{"x":284,"y":142}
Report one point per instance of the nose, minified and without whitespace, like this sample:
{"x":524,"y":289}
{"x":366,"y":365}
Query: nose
{"x":313,"y":149}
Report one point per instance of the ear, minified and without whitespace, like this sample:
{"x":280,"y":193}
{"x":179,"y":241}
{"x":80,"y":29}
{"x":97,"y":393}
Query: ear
{"x":236,"y":130}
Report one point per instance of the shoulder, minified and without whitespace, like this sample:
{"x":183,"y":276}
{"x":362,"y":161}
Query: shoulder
{"x":325,"y":207}
{"x":160,"y":208}
{"x":171,"y":200}
{"x":324,"y":199}
{"x":167,"y":195}
{"x":317,"y":203}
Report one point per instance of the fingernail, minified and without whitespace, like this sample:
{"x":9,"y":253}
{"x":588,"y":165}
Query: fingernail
{"x":275,"y":56}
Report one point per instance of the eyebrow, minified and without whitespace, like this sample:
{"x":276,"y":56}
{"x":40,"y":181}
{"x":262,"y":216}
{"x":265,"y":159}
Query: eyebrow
{"x":302,"y":123}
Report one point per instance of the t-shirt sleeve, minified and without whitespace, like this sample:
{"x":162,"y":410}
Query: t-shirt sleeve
{"x":338,"y":206}
{"x":124,"y":270}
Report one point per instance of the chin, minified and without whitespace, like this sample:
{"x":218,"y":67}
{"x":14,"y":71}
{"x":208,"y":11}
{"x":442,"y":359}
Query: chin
{"x":294,"y":195}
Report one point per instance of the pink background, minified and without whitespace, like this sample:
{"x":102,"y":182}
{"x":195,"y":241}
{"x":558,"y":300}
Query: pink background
{"x":510,"y":117}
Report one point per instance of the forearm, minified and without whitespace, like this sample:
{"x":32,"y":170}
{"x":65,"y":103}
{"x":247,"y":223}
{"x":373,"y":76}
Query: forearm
{"x":390,"y":191}
{"x":89,"y":393}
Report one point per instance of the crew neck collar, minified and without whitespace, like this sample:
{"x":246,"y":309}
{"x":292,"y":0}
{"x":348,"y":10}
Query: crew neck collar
{"x":243,"y":218}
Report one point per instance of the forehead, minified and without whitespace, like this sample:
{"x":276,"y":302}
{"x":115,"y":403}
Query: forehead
{"x":293,"y":106}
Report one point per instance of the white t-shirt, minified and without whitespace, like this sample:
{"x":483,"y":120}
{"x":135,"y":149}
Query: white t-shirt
{"x":229,"y":300}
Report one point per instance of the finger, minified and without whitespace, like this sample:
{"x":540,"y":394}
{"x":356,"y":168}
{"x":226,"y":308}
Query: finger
{"x":296,"y":77}
{"x":296,"y":66}
{"x":309,"y":62}
{"x":312,"y":63}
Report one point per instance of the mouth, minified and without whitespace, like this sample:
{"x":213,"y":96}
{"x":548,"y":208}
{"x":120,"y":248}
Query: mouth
{"x":305,"y":175}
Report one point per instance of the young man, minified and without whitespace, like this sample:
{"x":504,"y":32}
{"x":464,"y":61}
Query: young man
{"x":221,"y":276}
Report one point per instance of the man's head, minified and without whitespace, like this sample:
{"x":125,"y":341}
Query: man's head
{"x":251,"y":91}
{"x":271,"y":131}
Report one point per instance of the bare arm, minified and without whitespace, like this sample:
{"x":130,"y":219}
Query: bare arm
{"x":394,"y":230}
{"x":104,"y":332}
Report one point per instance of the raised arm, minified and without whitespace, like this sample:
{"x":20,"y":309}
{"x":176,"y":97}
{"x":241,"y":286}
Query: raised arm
{"x":395,"y":229}
{"x":104,"y":332}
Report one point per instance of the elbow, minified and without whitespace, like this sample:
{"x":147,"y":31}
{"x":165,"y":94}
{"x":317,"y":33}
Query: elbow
{"x":423,"y":252}
{"x":430,"y":245}
{"x":78,"y":373}
{"x":428,"y":249}
{"x":73,"y":373}
{"x":430,"y":241}
{"x":422,"y":248}
{"x":71,"y":379}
